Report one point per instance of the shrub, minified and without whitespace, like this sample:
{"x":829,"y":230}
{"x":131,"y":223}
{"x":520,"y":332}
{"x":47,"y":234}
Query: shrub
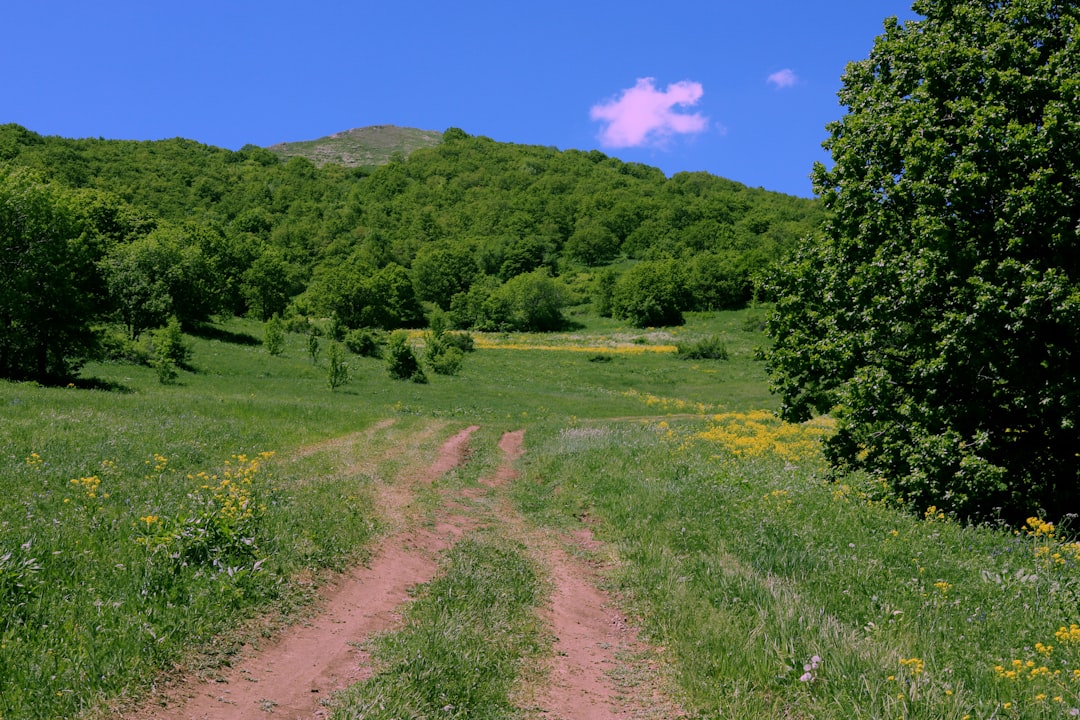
{"x":274,"y":335}
{"x":401,"y":361}
{"x":443,"y":357}
{"x":710,"y":348}
{"x":447,"y":362}
{"x":338,"y":369}
{"x":463,"y":341}
{"x":366,"y":342}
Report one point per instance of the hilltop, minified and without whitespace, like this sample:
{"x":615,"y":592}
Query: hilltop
{"x":360,"y":147}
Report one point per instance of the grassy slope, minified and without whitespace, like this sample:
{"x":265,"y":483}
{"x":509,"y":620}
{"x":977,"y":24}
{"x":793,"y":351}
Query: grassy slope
{"x":359,"y":147}
{"x":738,"y":558}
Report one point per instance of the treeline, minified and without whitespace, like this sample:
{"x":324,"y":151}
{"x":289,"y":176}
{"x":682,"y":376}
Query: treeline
{"x":130,"y":234}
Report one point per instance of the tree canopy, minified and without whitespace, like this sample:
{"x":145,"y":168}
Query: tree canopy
{"x":938,"y":317}
{"x":189,"y":230}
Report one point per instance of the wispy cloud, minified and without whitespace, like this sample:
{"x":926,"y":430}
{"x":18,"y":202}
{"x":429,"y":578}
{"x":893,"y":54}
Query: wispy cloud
{"x":783,"y":78}
{"x":643,"y":115}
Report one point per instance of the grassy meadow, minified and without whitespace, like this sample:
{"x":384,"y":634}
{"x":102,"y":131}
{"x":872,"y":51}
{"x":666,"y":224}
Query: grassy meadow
{"x":149,"y":526}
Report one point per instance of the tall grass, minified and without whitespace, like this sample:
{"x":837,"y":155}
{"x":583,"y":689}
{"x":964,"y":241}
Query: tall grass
{"x":783,"y":595}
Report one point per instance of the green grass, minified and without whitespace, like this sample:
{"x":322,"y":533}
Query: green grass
{"x":747,"y":567}
{"x":735,"y":552}
{"x":464,"y":641}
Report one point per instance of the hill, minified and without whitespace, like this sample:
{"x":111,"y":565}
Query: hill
{"x":360,"y":147}
{"x":500,"y":235}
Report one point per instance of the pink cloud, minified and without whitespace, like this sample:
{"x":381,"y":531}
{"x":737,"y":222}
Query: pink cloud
{"x":643,"y":115}
{"x":783,"y":78}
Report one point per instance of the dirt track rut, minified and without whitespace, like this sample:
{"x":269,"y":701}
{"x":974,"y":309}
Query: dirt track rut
{"x":296,"y":675}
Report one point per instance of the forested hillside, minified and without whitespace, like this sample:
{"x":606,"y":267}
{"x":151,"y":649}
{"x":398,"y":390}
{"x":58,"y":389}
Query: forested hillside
{"x":501,"y":236}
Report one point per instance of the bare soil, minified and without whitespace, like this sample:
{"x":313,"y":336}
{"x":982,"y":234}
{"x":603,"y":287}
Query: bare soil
{"x":296,"y":674}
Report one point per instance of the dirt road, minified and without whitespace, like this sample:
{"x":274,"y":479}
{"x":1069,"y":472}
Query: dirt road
{"x":295,"y":676}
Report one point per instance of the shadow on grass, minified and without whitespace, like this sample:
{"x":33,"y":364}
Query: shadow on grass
{"x":93,"y":383}
{"x":210,"y":332}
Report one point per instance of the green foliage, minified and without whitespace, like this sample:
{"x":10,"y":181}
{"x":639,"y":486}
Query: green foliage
{"x":49,"y":286}
{"x":362,"y":297}
{"x":708,"y":348}
{"x":336,"y":328}
{"x":440,"y":352}
{"x":202,"y":230}
{"x":337,"y":371}
{"x":604,"y":292}
{"x":313,"y":348}
{"x":274,"y":335}
{"x":439,"y":273}
{"x":168,"y":351}
{"x":720,"y":281}
{"x":269,"y":283}
{"x":531,"y":302}
{"x":652,"y":293}
{"x":401,"y":361}
{"x":164,"y":273}
{"x":460,"y":651}
{"x":938,"y":315}
{"x":447,"y":362}
{"x":463,"y":341}
{"x":365,"y":342}
{"x":592,"y":243}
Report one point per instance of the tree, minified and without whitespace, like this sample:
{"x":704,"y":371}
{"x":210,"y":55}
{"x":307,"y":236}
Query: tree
{"x":441,"y":272}
{"x":337,"y":371}
{"x":532,"y":302}
{"x":652,"y":293}
{"x":274,"y":335}
{"x":938,"y":317}
{"x":49,"y":285}
{"x":269,"y":283}
{"x":592,"y":243}
{"x":160,"y":275}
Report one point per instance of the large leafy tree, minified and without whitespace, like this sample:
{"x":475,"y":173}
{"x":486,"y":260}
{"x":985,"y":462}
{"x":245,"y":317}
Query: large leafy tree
{"x":50,"y":290}
{"x":652,"y":293}
{"x":939,"y":316}
{"x":160,"y":275}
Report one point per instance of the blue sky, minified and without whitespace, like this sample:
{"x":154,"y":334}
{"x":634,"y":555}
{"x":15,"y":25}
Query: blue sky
{"x":741,"y":90}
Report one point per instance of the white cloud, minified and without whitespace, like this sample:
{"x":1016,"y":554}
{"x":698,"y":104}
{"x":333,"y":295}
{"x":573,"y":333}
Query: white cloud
{"x":783,"y":78}
{"x":643,"y":115}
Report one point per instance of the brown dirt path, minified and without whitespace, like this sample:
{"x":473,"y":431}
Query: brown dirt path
{"x":295,"y":676}
{"x":593,"y":640}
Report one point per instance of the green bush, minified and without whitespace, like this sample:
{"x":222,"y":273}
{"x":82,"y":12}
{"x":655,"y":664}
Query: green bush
{"x":531,"y":302}
{"x":366,"y":342}
{"x":338,"y":369}
{"x":710,"y":348}
{"x":653,"y":293}
{"x":463,"y":341}
{"x":401,"y":361}
{"x":447,"y":362}
{"x":274,"y":335}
